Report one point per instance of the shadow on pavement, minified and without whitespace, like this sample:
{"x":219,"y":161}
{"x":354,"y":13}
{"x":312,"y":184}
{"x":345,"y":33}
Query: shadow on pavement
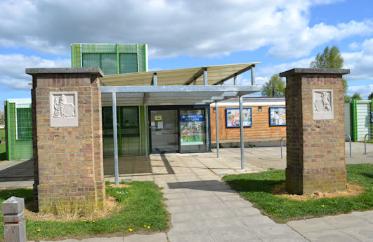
{"x":20,"y":172}
{"x":207,"y":185}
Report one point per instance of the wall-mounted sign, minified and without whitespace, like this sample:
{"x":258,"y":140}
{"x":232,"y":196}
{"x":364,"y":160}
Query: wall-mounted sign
{"x":232,"y":117}
{"x":63,"y":109}
{"x":277,"y":116}
{"x":158,"y":117}
{"x":322,"y":104}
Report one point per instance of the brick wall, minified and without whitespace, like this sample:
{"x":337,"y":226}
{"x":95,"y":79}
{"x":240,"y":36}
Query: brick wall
{"x":315,"y":148}
{"x":68,"y":165}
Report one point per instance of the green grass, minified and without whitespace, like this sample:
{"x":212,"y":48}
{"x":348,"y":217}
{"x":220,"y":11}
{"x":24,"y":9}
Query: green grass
{"x":142,"y":205}
{"x":2,"y":145}
{"x":258,"y":187}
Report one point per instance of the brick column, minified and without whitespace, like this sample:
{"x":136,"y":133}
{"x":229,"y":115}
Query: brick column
{"x":67,"y":139}
{"x":315,"y":130}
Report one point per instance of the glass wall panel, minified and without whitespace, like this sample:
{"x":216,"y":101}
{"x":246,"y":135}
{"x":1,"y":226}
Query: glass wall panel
{"x":128,"y":62}
{"x":108,"y":63}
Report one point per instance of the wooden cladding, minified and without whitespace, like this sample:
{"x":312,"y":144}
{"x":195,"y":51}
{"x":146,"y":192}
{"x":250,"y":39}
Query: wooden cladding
{"x":260,"y":129}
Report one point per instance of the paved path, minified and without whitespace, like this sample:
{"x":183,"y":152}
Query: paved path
{"x":357,"y":226}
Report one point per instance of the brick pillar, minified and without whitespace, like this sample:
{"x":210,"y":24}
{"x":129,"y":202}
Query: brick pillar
{"x":67,"y":139}
{"x":315,"y":130}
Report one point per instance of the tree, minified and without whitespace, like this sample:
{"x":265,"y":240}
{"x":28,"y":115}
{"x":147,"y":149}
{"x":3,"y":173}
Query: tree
{"x":330,"y":58}
{"x":275,"y":87}
{"x":356,"y":96}
{"x":370,"y":97}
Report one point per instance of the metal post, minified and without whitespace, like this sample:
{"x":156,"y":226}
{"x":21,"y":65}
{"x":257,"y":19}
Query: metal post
{"x":217,"y":129}
{"x":242,"y":145}
{"x":235,"y":80}
{"x":115,"y":137}
{"x":252,"y":75}
{"x":14,"y":220}
{"x":365,"y":143}
{"x":205,"y":78}
{"x":282,"y":139}
{"x":155,"y":79}
{"x":349,"y":140}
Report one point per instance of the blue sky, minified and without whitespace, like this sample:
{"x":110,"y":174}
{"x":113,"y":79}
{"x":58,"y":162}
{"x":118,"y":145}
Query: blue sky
{"x":280,"y":34}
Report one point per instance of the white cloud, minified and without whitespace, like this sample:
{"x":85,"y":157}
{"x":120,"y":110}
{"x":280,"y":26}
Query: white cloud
{"x":360,"y":62}
{"x":363,"y":90}
{"x":177,"y":27}
{"x":13,"y":66}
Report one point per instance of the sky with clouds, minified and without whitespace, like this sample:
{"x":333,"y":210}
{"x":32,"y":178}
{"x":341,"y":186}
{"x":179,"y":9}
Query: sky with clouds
{"x":281,"y":34}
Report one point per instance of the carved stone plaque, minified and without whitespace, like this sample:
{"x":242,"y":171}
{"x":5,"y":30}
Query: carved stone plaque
{"x":63,"y":109}
{"x":322,"y":104}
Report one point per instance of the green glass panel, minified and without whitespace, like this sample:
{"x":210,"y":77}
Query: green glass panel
{"x":128,"y":62}
{"x":108,"y":63}
{"x":91,"y":60}
{"x":24,"y":128}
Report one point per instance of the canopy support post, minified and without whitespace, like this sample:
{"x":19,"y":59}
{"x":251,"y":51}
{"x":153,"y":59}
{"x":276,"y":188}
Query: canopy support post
{"x":115,"y":137}
{"x":252,"y":75}
{"x":217,"y":129}
{"x":205,"y":77}
{"x":155,"y":79}
{"x":242,"y":144}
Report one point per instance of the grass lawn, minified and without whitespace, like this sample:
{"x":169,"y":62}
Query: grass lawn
{"x":2,"y":145}
{"x":142,"y":211}
{"x":258,"y":187}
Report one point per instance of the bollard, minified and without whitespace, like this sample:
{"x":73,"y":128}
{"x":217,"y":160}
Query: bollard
{"x":14,"y":221}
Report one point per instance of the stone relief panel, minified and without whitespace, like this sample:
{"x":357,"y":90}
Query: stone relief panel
{"x":63,"y":109}
{"x":322,"y":103}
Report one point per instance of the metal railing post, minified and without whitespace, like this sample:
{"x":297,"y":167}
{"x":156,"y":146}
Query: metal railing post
{"x":350,"y":141}
{"x":365,"y":143}
{"x":282,"y":139}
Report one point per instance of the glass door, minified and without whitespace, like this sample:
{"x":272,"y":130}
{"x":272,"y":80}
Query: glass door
{"x":164,"y":131}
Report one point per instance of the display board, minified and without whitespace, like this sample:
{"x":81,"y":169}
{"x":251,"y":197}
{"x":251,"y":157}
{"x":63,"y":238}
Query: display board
{"x":277,"y":116}
{"x":232,"y":117}
{"x":192,"y":127}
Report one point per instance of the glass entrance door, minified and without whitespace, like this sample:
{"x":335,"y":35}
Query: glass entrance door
{"x":164,"y":131}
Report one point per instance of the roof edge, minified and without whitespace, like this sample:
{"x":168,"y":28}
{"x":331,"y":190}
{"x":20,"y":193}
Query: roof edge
{"x":326,"y":71}
{"x":64,"y":70}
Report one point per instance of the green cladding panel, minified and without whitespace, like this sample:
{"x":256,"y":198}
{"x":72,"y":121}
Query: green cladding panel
{"x":18,"y":128}
{"x":111,"y":58}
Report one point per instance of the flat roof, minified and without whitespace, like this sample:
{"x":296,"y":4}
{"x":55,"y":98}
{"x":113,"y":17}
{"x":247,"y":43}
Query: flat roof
{"x":216,"y":74}
{"x":331,"y":71}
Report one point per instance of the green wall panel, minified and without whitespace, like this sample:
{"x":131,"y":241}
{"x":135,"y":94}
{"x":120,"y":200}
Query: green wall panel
{"x":111,"y":58}
{"x":17,"y":149}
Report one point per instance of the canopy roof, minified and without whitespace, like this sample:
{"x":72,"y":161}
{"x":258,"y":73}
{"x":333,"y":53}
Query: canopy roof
{"x":216,"y":74}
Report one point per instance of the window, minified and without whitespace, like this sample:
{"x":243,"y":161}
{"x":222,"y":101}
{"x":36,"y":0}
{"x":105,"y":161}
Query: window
{"x":24,"y":124}
{"x":108,"y":63}
{"x":91,"y":60}
{"x":128,"y":62}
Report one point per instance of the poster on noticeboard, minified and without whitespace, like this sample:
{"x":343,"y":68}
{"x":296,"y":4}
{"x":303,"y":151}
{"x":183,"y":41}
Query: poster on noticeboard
{"x":232,"y":117}
{"x":277,"y":116}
